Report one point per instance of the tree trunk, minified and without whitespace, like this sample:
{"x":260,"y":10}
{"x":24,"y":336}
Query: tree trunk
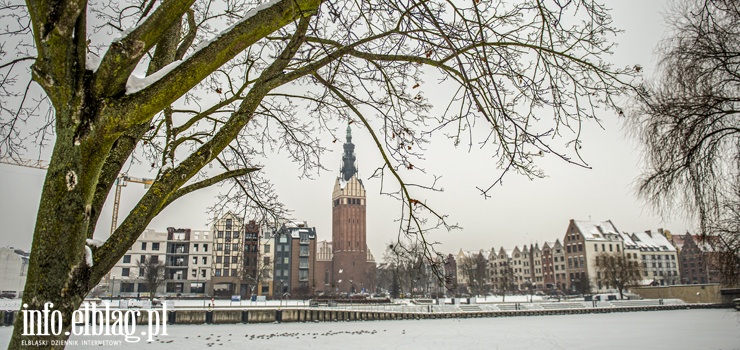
{"x":58,"y":272}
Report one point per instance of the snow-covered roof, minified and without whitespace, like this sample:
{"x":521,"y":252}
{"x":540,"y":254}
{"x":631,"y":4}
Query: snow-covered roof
{"x":596,"y":230}
{"x":649,"y":242}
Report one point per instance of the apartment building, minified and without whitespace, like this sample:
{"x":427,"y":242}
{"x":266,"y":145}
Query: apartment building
{"x":227,"y":260}
{"x":126,"y":277}
{"x":187,"y":267}
{"x":294,"y":263}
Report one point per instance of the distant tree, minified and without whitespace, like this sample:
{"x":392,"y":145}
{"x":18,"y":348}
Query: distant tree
{"x":475,"y":272}
{"x":505,"y":279}
{"x":153,"y":274}
{"x":688,"y":118}
{"x":395,"y":285}
{"x":614,"y":270}
{"x":302,"y":292}
{"x":202,"y":92}
{"x":583,"y":285}
{"x":371,"y":278}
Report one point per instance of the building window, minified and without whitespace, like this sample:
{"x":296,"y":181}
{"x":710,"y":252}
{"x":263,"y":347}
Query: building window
{"x":229,"y":223}
{"x":125,"y":271}
{"x":126,"y":259}
{"x":205,"y":260}
{"x":195,"y":247}
{"x":219,"y":246}
{"x":234,"y":259}
{"x":154,"y":259}
{"x":218,"y":259}
{"x":202,"y":273}
{"x":218,"y":272}
{"x":233,"y":272}
{"x":195,"y":262}
{"x":226,"y":272}
{"x":235,"y":246}
{"x":143,"y":245}
{"x":155,"y":246}
{"x":205,"y":247}
{"x":228,"y":235}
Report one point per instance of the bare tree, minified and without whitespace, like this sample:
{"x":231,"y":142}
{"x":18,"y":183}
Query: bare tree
{"x":616,"y":271}
{"x":475,"y":272}
{"x":689,"y":120}
{"x":505,"y":278}
{"x":153,"y":273}
{"x":162,"y":84}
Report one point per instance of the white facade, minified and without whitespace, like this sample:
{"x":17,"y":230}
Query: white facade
{"x":201,"y":253}
{"x":125,"y":276}
{"x":13,"y":271}
{"x":657,"y":256}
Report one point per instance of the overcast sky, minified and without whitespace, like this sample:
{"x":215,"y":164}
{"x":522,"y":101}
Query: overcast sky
{"x":520,"y":212}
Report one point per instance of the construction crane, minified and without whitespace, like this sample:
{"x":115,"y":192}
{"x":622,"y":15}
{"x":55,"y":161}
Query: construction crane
{"x":121,"y":182}
{"x":28,"y":163}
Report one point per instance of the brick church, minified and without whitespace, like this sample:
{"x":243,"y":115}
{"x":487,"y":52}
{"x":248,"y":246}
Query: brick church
{"x":347,"y":263}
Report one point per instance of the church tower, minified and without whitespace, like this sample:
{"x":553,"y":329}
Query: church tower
{"x":349,"y":246}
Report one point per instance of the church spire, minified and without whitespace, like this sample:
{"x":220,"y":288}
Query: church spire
{"x":348,"y":158}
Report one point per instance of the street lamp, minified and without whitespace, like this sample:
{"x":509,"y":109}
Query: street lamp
{"x":281,"y":293}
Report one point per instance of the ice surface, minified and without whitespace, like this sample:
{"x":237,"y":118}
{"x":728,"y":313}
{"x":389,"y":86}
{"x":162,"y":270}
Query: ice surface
{"x":679,"y":329}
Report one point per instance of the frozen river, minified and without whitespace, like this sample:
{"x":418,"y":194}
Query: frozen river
{"x":678,"y":329}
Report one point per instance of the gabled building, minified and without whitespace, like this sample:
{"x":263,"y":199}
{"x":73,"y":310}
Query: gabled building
{"x":504,"y":281}
{"x":657,"y":256}
{"x":582,"y":241}
{"x":696,"y":260}
{"x":535,"y":261}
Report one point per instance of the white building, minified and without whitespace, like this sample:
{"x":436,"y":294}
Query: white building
{"x":658,"y":257}
{"x":13,"y":271}
{"x":583,"y":241}
{"x":126,"y":277}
